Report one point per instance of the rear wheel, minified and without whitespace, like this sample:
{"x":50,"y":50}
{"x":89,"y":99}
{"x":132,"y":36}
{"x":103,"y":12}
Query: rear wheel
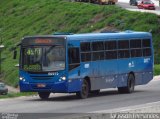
{"x":44,"y":95}
{"x":84,"y":91}
{"x":130,"y":85}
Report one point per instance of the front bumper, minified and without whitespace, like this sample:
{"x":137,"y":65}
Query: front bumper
{"x":60,"y":87}
{"x":5,"y":91}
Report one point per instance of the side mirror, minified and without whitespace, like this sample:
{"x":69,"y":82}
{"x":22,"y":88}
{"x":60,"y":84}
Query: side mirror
{"x":15,"y":54}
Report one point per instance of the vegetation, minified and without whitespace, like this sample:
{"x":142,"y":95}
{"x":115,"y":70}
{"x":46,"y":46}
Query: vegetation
{"x":12,"y":95}
{"x":19,"y":18}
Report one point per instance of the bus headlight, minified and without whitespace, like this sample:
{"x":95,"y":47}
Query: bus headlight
{"x":63,"y":78}
{"x":21,"y":78}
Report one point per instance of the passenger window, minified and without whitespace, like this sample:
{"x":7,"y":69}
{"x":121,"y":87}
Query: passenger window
{"x":74,"y":59}
{"x":147,"y":52}
{"x":110,"y":45}
{"x":135,"y":43}
{"x":85,"y":46}
{"x":98,"y":56}
{"x":123,"y":44}
{"x":111,"y":55}
{"x":85,"y":57}
{"x":123,"y":54}
{"x":96,"y":46}
{"x":146,"y":42}
{"x":136,"y":52}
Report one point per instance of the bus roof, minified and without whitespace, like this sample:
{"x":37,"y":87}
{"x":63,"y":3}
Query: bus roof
{"x":99,"y":36}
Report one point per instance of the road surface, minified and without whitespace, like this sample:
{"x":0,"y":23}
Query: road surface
{"x":125,"y":4}
{"x":68,"y":103}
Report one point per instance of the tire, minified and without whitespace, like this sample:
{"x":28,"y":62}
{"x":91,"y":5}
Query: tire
{"x":44,"y":95}
{"x":130,"y":3}
{"x":95,"y":92}
{"x":84,"y":91}
{"x":130,"y":85}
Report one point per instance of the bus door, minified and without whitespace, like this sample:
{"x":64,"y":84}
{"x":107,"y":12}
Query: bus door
{"x":74,"y":73}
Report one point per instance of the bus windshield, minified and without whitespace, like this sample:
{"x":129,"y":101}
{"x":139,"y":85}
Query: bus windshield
{"x":43,"y":58}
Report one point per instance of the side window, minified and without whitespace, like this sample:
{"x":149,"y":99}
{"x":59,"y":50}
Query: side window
{"x":96,"y":46}
{"x":146,"y":43}
{"x":110,"y":45}
{"x":111,"y":54}
{"x":123,"y":54}
{"x":98,"y":50}
{"x":74,"y":59}
{"x":136,"y":47}
{"x":98,"y":56}
{"x":111,"y":50}
{"x":85,"y":46}
{"x":123,"y":46}
{"x":135,"y":43}
{"x":85,"y":51}
{"x":147,"y":52}
{"x":136,"y":52}
{"x":85,"y":57}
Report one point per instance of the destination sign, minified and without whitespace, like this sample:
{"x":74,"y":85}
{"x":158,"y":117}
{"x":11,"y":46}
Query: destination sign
{"x":43,"y":41}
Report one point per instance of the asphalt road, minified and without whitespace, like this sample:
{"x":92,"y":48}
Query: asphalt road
{"x":134,"y":8}
{"x":68,"y":103}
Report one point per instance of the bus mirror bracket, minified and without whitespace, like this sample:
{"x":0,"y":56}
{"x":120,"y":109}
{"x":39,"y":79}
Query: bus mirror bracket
{"x":15,"y":51}
{"x":15,"y":54}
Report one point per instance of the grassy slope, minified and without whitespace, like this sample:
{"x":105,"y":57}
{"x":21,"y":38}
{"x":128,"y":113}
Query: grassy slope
{"x":19,"y":18}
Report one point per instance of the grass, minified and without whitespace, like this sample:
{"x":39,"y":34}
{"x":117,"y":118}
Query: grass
{"x":21,"y":18}
{"x":157,"y":69}
{"x":12,"y":95}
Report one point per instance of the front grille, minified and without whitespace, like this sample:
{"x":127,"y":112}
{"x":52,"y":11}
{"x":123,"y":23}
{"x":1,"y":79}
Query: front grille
{"x":42,"y":77}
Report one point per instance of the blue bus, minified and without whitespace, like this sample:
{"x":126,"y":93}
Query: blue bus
{"x":85,"y":63}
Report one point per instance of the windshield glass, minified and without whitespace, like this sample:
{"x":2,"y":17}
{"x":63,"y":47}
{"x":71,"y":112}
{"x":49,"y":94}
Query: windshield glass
{"x":2,"y":85}
{"x":147,"y":2}
{"x":46,"y":58}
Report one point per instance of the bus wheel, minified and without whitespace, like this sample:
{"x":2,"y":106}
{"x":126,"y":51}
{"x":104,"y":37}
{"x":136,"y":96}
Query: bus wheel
{"x":95,"y":92}
{"x":84,"y":91}
{"x":130,"y":85}
{"x":44,"y":95}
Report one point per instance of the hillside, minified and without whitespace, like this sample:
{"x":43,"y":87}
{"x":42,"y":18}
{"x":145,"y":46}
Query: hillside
{"x":39,"y":17}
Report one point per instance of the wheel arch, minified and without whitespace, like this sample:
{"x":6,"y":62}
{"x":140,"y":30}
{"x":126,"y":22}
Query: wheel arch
{"x":132,"y":73}
{"x":87,"y":78}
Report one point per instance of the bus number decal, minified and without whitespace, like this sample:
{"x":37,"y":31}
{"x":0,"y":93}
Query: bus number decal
{"x":53,"y":73}
{"x":86,"y":66}
{"x":131,"y":64}
{"x":146,"y":60}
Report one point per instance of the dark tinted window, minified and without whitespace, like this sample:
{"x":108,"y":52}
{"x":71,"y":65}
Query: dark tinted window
{"x":110,"y":45}
{"x":85,"y":57}
{"x":123,"y":54}
{"x":135,"y":43}
{"x":85,"y":46}
{"x":147,"y":52}
{"x":97,"y":46}
{"x":146,"y":42}
{"x":111,"y":55}
{"x":136,"y":53}
{"x":73,"y":55}
{"x":98,"y":56}
{"x":123,"y":44}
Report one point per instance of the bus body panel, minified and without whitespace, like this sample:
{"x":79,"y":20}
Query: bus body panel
{"x":102,"y":73}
